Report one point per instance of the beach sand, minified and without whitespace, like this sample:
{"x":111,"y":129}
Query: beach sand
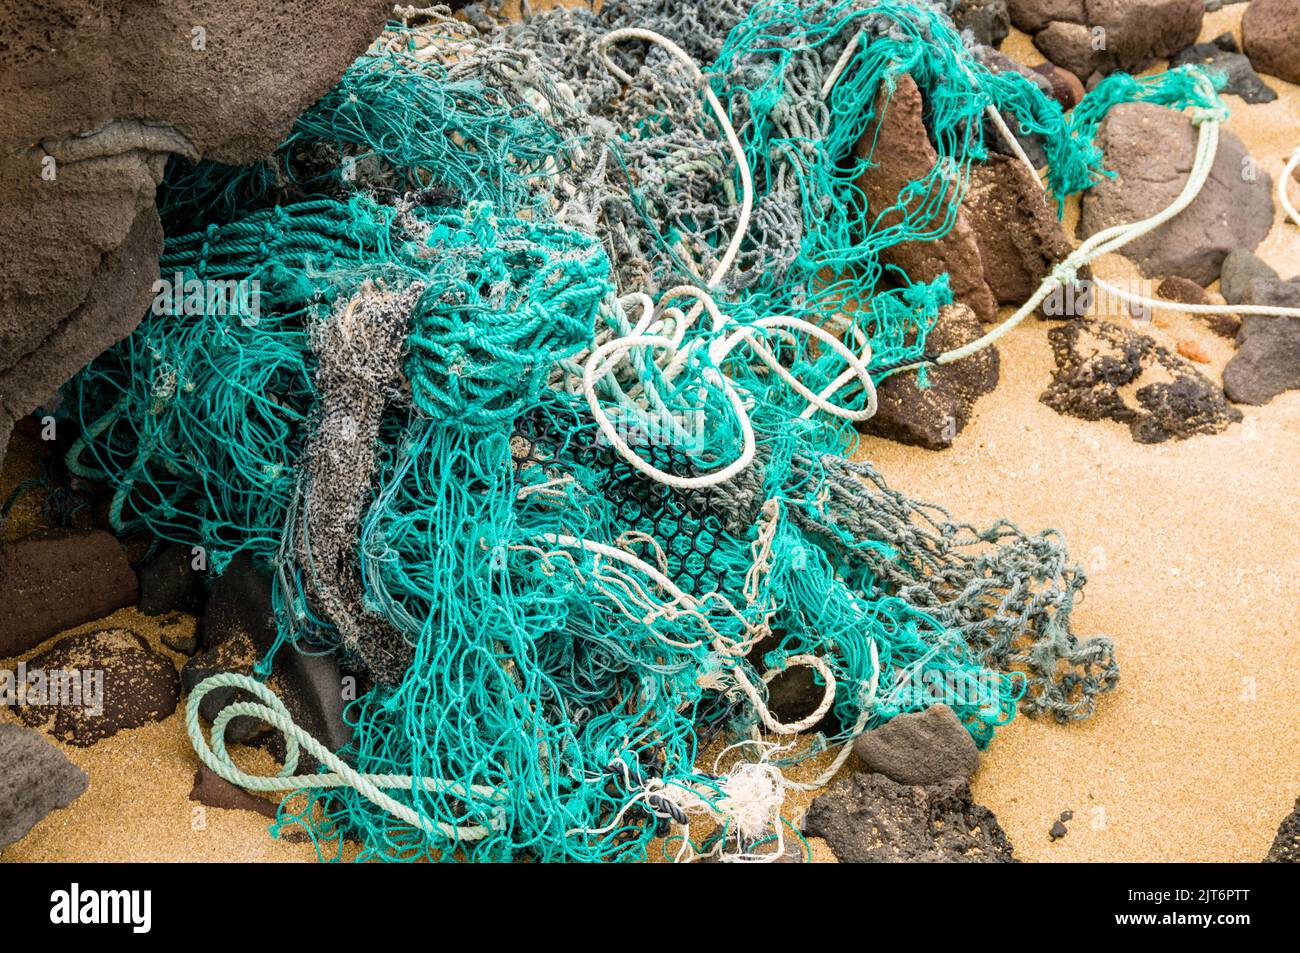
{"x":1191,"y":549}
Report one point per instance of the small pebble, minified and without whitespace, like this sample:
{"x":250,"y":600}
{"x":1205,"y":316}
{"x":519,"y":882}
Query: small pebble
{"x":1058,"y":831}
{"x":1193,"y":351}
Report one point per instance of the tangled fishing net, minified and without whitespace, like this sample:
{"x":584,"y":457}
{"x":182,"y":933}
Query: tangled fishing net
{"x":544,"y":417}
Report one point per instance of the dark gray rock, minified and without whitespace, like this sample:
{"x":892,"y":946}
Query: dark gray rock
{"x":1150,"y":150}
{"x":932,"y":416}
{"x":1270,"y":33}
{"x":1100,"y":364}
{"x":234,"y":99}
{"x":1223,"y":56}
{"x":168,"y":582}
{"x":57,"y":580}
{"x":1058,"y":831}
{"x":35,"y":779}
{"x":1241,"y":269}
{"x":237,"y":631}
{"x":1274,"y":293}
{"x":78,"y":256}
{"x":898,"y":146}
{"x":312,"y":687}
{"x":920,"y":748}
{"x":987,"y":20}
{"x":108,"y":92}
{"x":868,"y":818}
{"x":1267,"y":361}
{"x":137,"y":685}
{"x":1286,"y":846}
{"x":239,"y":604}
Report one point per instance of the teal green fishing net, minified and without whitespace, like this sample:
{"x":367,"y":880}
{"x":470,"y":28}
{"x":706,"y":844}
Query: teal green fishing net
{"x":393,"y":421}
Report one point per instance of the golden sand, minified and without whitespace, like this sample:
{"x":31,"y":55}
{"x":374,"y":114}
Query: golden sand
{"x":1192,"y":550}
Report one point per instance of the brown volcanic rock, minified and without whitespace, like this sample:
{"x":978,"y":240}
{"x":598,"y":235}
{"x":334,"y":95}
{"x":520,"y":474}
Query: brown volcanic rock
{"x":139,"y":685}
{"x":56,"y":580}
{"x":211,"y":790}
{"x":897,"y":143}
{"x":1019,"y":236}
{"x":932,"y":416}
{"x":1102,"y":36}
{"x":1270,"y":33}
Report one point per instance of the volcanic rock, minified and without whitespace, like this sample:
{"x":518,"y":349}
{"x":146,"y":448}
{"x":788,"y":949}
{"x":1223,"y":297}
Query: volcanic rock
{"x":57,"y":580}
{"x":933,"y":415}
{"x":1105,"y":371}
{"x":898,"y":146}
{"x":35,"y":779}
{"x":1150,"y":150}
{"x":1270,"y":33}
{"x":136,"y":685}
{"x":924,"y":747}
{"x":867,"y":818}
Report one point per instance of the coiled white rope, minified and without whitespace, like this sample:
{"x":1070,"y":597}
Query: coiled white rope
{"x":673,"y":357}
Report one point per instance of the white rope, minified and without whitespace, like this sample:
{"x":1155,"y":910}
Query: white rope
{"x":1164,"y":304}
{"x":1117,"y":236}
{"x":1112,"y":239}
{"x":1284,"y":184}
{"x":600,"y":363}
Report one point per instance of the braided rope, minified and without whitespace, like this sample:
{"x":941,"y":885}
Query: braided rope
{"x":273,"y":712}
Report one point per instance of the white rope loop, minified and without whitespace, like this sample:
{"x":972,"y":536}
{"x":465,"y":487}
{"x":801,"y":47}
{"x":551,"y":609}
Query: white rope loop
{"x":600,"y":364}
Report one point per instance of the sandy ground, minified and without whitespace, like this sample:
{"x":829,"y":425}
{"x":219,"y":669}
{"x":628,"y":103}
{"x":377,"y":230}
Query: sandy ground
{"x":1191,"y":549}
